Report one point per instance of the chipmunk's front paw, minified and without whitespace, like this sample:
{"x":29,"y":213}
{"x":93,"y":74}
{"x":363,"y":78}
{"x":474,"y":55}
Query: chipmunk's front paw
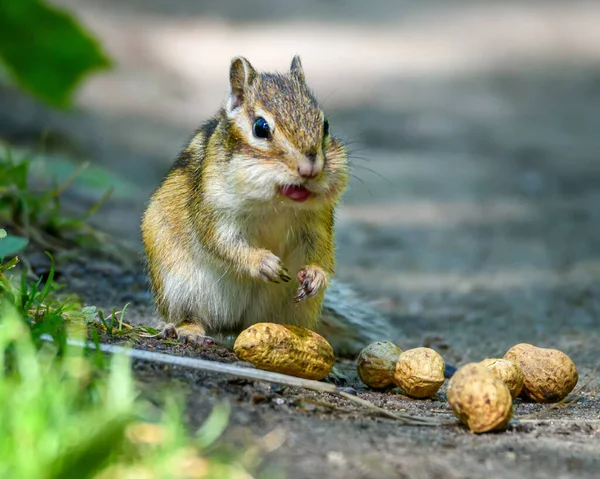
{"x":312,"y":280}
{"x":270,"y":268}
{"x":187,"y":333}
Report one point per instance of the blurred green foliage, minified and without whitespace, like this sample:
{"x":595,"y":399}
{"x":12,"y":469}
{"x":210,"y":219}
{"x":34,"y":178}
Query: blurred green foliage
{"x":70,"y":413}
{"x":36,"y":214}
{"x":46,"y":51}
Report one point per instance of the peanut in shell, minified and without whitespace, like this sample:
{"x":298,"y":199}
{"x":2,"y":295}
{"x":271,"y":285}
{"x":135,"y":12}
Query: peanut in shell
{"x":479,"y":398}
{"x":508,"y":371}
{"x":549,"y":374}
{"x":286,"y":349}
{"x":420,"y":372}
{"x":376,"y":364}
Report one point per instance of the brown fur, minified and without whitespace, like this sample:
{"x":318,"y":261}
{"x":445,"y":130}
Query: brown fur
{"x":219,"y":214}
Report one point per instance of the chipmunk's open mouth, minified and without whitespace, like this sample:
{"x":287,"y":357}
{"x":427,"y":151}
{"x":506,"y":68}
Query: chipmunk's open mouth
{"x":296,"y":193}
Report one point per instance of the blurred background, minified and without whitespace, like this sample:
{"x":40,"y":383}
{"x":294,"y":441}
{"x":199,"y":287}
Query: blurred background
{"x":474,"y":129}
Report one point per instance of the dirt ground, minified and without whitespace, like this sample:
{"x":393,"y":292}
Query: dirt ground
{"x":473,"y":221}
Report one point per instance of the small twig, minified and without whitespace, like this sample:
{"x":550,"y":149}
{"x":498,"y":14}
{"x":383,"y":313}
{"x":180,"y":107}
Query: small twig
{"x":71,"y":179}
{"x":35,"y":236}
{"x":96,"y":206}
{"x":323,"y":404}
{"x":250,"y":374}
{"x":326,"y":405}
{"x":559,"y":405}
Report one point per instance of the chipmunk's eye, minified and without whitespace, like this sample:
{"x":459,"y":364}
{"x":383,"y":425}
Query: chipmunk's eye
{"x":261,"y":128}
{"x":325,"y":127}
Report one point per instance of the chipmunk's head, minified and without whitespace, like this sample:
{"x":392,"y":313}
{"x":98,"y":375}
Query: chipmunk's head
{"x":279,"y":140}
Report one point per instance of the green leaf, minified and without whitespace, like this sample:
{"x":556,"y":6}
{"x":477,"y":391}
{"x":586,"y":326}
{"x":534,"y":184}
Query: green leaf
{"x":86,"y":458}
{"x":11,"y":245}
{"x":45,"y":50}
{"x":214,"y":426}
{"x":3,"y":234}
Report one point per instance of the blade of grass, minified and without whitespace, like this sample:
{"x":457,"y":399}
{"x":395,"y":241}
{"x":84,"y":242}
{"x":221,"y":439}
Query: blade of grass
{"x":214,"y":426}
{"x":122,"y":316}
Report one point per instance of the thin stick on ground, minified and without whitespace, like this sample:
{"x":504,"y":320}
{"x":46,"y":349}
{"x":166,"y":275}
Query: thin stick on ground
{"x":251,"y":374}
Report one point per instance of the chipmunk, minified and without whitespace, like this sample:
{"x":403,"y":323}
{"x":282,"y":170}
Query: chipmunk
{"x":242,"y":228}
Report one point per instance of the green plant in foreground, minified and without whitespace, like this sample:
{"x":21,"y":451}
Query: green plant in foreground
{"x":65,"y":417}
{"x":38,"y":305}
{"x":59,"y":421}
{"x":45,"y":409}
{"x":36,"y":302}
{"x":32,"y":302}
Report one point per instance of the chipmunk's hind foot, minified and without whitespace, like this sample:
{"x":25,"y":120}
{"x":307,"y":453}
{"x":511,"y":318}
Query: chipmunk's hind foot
{"x":187,"y":333}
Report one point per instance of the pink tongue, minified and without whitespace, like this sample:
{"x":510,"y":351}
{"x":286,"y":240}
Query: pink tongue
{"x":296,"y":193}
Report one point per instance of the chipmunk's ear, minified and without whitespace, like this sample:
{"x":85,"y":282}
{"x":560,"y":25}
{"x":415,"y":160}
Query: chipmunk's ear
{"x":296,"y":69}
{"x":241,"y":76}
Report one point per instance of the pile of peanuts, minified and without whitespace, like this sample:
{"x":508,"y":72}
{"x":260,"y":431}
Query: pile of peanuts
{"x":480,"y":394}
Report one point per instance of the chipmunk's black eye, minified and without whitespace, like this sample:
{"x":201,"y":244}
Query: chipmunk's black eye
{"x":325,"y":127}
{"x":261,"y":128}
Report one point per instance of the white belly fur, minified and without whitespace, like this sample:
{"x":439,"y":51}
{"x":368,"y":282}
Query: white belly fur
{"x":223,"y":301}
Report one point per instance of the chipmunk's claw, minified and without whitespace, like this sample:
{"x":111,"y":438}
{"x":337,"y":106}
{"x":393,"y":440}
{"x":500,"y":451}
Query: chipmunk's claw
{"x":312,"y":280}
{"x":286,"y":277}
{"x":272,"y":269}
{"x":301,"y":296}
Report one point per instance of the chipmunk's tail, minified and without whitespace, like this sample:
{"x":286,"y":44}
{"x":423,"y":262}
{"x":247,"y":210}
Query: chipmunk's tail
{"x":349,"y":322}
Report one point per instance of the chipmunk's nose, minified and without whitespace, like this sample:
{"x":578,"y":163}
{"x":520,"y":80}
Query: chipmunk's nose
{"x":310,"y":166}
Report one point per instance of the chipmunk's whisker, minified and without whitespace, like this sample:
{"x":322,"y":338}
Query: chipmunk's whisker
{"x":362,"y":182}
{"x":353,"y":156}
{"x":372,"y":171}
